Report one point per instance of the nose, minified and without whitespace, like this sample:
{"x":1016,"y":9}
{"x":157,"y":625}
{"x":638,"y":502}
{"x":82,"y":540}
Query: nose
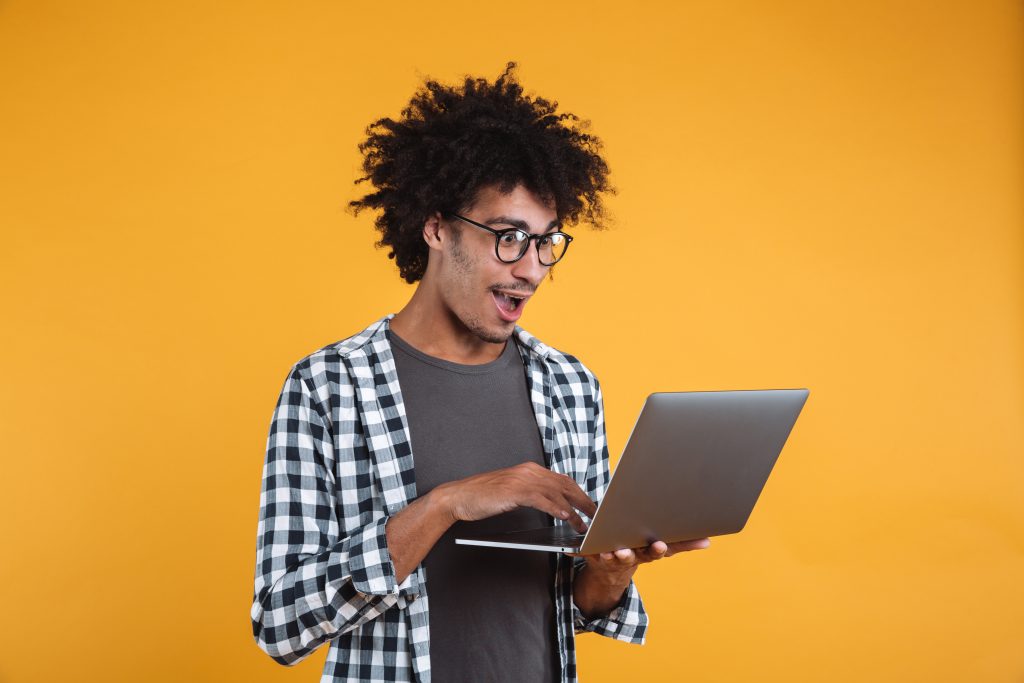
{"x":529,"y":267}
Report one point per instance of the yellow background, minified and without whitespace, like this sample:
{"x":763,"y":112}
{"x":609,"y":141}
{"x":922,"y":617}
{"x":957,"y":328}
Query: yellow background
{"x":820,"y":194}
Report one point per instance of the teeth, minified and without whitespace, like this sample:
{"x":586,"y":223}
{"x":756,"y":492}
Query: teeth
{"x":508,"y":302}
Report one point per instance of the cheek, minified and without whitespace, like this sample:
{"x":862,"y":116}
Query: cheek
{"x":463,"y":283}
{"x":471,"y":273}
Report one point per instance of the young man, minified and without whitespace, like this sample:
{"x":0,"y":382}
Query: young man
{"x":448,"y":418}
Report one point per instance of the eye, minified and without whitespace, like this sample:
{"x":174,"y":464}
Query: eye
{"x":512,"y":237}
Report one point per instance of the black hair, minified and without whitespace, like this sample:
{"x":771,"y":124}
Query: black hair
{"x":452,"y":141}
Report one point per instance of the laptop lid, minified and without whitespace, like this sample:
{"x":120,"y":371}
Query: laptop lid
{"x":694,"y":466}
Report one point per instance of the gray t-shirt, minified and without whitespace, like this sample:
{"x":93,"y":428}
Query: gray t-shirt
{"x":492,"y":612}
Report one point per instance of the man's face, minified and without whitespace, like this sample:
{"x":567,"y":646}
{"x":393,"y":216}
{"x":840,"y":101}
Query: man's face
{"x":476,"y":286}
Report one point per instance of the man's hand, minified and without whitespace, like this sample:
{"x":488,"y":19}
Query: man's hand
{"x":416,"y":528}
{"x":526,"y":485}
{"x":604,"y":579}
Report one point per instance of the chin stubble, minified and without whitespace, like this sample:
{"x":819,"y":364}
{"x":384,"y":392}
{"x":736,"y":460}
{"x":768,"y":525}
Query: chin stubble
{"x":474,"y":325}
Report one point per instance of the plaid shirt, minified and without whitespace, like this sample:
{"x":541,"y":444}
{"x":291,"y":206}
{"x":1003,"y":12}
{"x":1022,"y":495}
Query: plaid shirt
{"x":339,"y":464}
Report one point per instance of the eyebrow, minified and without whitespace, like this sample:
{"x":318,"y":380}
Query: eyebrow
{"x":519,"y":223}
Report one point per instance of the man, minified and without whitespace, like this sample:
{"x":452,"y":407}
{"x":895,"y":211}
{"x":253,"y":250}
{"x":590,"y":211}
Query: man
{"x":448,"y":418}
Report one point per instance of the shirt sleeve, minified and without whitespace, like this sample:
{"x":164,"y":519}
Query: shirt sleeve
{"x":627,"y":621}
{"x":314,"y":579}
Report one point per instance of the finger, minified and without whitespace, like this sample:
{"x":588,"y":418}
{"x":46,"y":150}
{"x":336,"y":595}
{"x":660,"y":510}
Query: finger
{"x":548,"y":506}
{"x":655,"y":551}
{"x":625,"y":556}
{"x":559,"y":508}
{"x":568,"y":487}
{"x":574,"y":519}
{"x":684,"y":546}
{"x":577,"y":522}
{"x":597,"y":558}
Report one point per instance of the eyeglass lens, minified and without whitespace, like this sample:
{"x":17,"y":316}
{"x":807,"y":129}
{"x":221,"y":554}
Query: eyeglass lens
{"x":513,"y":244}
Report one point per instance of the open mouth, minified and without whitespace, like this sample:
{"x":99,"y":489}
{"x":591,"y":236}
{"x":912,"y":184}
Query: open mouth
{"x":510,"y":306}
{"x":508,"y":302}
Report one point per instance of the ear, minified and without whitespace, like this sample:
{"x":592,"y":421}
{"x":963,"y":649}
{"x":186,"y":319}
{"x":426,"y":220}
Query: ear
{"x":432,"y":229}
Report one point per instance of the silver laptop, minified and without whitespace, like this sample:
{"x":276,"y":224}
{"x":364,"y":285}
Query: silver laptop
{"x":694,"y":466}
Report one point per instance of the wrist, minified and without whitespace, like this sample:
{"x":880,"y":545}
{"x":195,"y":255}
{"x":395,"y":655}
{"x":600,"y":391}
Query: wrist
{"x":442,"y":505}
{"x":597,"y":592}
{"x":607,"y":578}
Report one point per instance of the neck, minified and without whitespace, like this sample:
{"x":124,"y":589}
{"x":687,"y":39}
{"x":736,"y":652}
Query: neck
{"x":429,"y":325}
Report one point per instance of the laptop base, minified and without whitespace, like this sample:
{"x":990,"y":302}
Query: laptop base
{"x":550,"y":539}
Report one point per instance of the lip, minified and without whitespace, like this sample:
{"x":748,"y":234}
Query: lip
{"x":502,"y":313}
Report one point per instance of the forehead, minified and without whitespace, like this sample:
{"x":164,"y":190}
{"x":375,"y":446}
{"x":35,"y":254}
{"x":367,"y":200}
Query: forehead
{"x":520,"y":202}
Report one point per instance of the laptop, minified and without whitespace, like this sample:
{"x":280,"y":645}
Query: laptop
{"x":694,"y":466}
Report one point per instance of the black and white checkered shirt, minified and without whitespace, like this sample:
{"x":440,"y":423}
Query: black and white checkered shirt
{"x":339,"y":464}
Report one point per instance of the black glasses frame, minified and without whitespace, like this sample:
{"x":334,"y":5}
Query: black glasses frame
{"x":526,"y":243}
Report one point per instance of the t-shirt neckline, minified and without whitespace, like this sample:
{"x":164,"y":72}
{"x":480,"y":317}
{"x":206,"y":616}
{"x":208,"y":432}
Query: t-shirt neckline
{"x":507,"y":356}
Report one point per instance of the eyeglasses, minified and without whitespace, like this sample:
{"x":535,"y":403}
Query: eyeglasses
{"x":512,"y":244}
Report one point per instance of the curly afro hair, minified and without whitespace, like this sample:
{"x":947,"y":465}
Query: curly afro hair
{"x":452,"y":141}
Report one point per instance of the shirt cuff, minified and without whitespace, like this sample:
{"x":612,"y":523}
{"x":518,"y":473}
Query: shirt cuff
{"x":627,"y":621}
{"x":364,"y":558}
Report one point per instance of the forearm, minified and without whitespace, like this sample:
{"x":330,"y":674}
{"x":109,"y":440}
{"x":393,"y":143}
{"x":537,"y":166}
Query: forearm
{"x":597,"y":593}
{"x":414,"y":530}
{"x":320,"y":596}
{"x":304,"y":599}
